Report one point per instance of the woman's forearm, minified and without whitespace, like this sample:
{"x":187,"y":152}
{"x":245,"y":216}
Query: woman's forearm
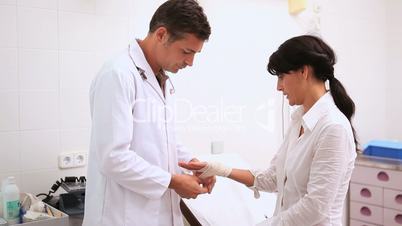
{"x":242,"y":176}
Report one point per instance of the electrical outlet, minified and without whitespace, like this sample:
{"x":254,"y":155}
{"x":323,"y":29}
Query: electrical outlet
{"x":72,"y":159}
{"x":80,"y":159}
{"x":66,"y":160}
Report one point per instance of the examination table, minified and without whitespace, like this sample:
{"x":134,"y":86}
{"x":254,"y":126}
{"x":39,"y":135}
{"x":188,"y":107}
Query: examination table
{"x":230,"y":203}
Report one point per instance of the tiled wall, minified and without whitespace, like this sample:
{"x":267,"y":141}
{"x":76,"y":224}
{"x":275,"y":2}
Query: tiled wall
{"x":394,"y":52}
{"x":357,"y":32}
{"x":49,"y":52}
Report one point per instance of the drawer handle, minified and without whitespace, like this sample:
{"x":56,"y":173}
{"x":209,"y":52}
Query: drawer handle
{"x":365,"y":211}
{"x":365,"y":193}
{"x":398,"y":218}
{"x":398,"y":199}
{"x":383,"y":176}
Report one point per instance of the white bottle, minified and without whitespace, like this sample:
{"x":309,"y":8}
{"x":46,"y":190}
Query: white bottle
{"x":11,"y":201}
{"x":3,"y":182}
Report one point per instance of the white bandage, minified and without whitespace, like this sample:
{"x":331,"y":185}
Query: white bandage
{"x":214,"y":169}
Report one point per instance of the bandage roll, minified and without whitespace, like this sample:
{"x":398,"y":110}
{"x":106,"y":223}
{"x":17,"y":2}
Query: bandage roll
{"x":215,"y":169}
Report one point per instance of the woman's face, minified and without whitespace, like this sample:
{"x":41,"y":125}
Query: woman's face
{"x":292,"y":85}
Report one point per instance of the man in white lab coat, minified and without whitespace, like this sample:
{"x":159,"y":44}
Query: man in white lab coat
{"x":133,"y":173}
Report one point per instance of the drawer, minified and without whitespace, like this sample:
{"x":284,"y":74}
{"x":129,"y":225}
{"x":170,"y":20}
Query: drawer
{"x":367,"y":213}
{"x":366,"y":194}
{"x":393,"y":199}
{"x":392,"y":217}
{"x":360,"y":223}
{"x":377,"y":177}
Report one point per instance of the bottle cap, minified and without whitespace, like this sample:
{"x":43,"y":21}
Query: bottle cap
{"x":11,"y":180}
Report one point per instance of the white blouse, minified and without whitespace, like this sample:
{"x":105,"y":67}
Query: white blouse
{"x":311,"y":173}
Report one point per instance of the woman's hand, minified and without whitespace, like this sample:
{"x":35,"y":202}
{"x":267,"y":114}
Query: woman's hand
{"x":193,"y":165}
{"x":212,"y":169}
{"x":207,"y":169}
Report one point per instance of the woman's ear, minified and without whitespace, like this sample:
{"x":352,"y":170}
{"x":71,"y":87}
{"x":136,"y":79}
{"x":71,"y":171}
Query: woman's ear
{"x":306,"y":71}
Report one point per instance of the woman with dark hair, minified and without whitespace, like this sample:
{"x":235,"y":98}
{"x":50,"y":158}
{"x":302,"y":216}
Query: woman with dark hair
{"x":312,"y":168}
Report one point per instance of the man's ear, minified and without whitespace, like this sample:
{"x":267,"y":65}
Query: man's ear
{"x":162,"y":35}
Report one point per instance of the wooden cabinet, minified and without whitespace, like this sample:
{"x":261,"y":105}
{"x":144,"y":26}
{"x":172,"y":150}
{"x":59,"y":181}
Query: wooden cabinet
{"x":376,"y":192}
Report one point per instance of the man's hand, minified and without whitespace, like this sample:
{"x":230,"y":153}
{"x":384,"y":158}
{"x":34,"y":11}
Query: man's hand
{"x":208,"y":182}
{"x":187,"y":186}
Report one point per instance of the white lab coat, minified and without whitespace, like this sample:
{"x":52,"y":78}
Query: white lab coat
{"x":133,"y":149}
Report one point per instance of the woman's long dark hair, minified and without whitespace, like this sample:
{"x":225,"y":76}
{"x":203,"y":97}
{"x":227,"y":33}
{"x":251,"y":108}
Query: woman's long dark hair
{"x":313,"y":51}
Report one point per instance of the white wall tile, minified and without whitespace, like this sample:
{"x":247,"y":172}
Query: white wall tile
{"x":36,"y":182}
{"x":360,"y":9}
{"x":77,"y":172}
{"x":394,"y":56}
{"x":8,"y":2}
{"x":112,"y":33}
{"x":75,"y":140}
{"x":102,"y":57}
{"x":9,"y":152}
{"x":40,"y":181}
{"x":394,"y":9}
{"x":38,"y":70}
{"x":8,"y":26}
{"x":37,"y":28}
{"x":45,"y":4}
{"x":80,"y":6}
{"x":75,"y":110}
{"x":8,"y":65}
{"x":39,"y":149}
{"x":118,"y":7}
{"x":77,"y":31}
{"x":39,"y":110}
{"x":9,"y":111}
{"x":77,"y":69}
{"x":140,"y":15}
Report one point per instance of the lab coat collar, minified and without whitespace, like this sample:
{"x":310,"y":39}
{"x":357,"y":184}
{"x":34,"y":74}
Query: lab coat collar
{"x":140,"y":61}
{"x":298,"y":113}
{"x":315,"y":113}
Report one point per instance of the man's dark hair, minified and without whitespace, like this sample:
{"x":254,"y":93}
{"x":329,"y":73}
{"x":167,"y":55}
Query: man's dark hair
{"x":181,"y":17}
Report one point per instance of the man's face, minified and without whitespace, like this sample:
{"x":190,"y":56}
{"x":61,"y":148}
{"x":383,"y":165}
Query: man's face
{"x":178,"y":54}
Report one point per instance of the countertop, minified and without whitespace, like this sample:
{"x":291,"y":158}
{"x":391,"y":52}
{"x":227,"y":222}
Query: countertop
{"x":378,"y":162}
